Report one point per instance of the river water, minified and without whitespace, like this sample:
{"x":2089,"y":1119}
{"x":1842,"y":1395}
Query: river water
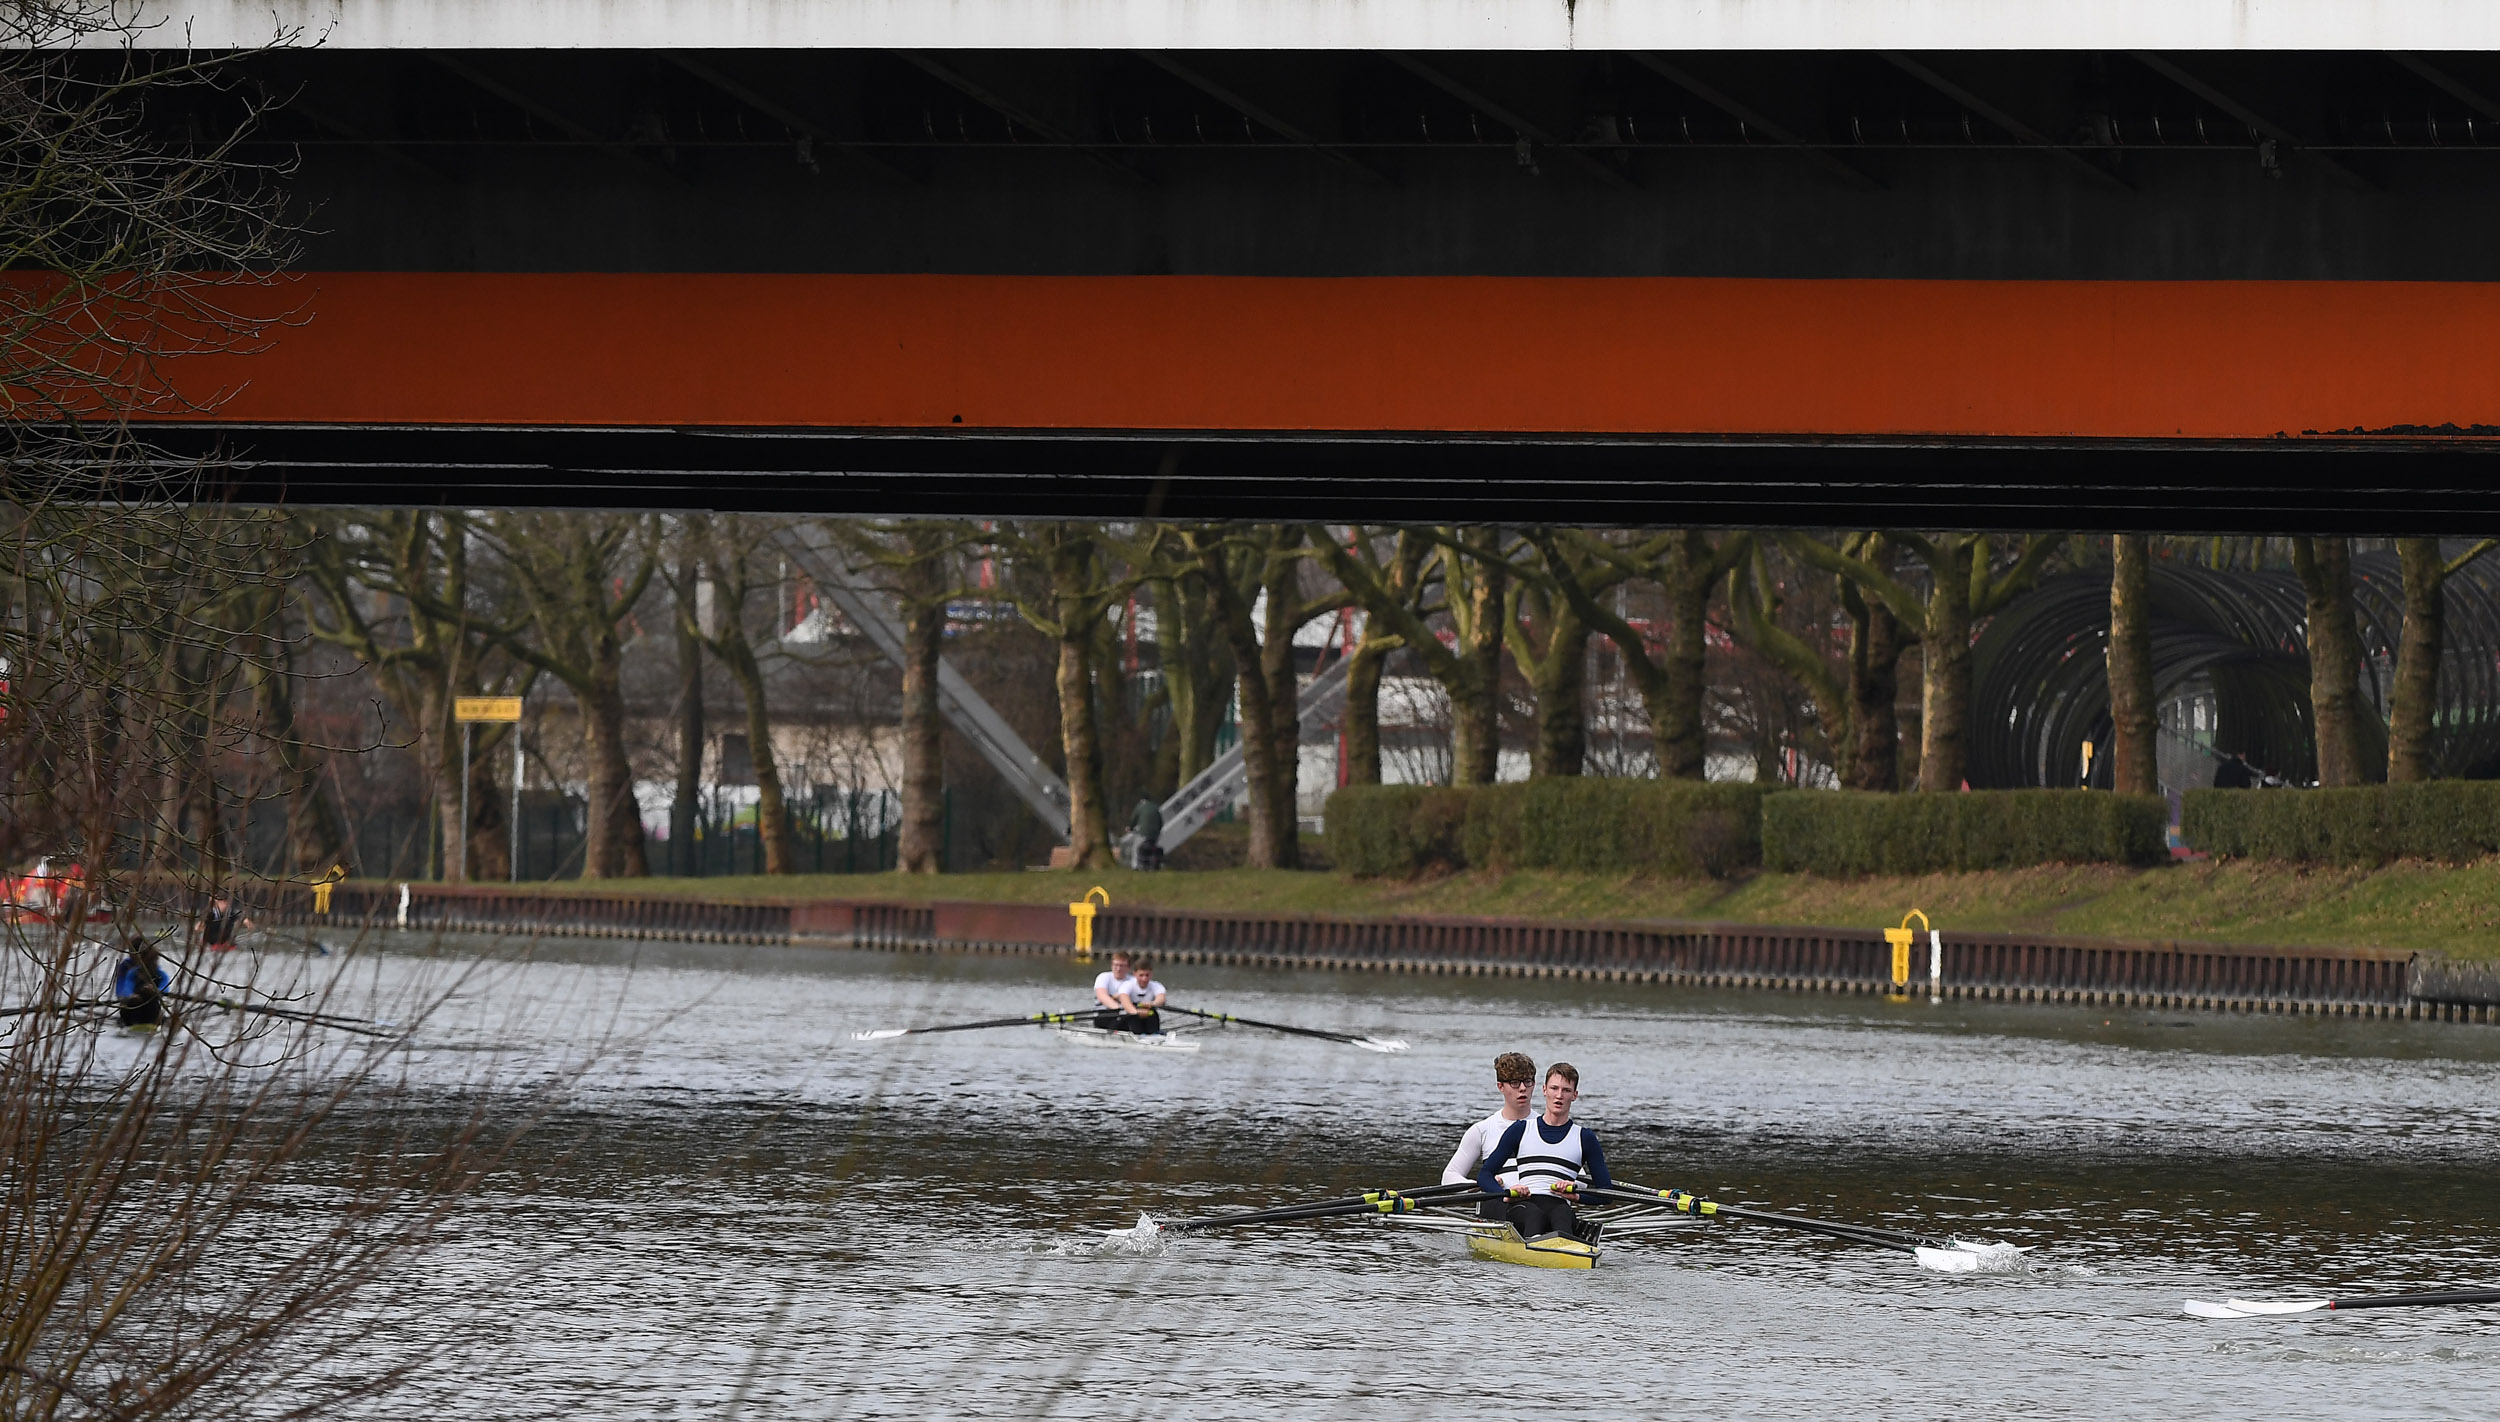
{"x":738,"y":1210}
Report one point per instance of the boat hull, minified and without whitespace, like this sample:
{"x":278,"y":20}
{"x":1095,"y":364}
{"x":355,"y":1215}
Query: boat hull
{"x":1130,"y":1041}
{"x":1502,"y":1244}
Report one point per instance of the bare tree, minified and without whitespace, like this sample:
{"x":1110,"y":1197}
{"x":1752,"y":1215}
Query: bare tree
{"x":2131,"y":708}
{"x":580,"y":577}
{"x":1966,"y":582}
{"x":398,"y":590}
{"x":2334,"y":641}
{"x":724,"y":549}
{"x":2427,"y":569}
{"x":1688,"y":566}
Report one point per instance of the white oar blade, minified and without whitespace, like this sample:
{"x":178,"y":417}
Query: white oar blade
{"x":2295,"y":1306}
{"x":1381,"y":1044}
{"x":1947,"y":1261}
{"x":2251,"y":1308}
{"x":881,"y":1034}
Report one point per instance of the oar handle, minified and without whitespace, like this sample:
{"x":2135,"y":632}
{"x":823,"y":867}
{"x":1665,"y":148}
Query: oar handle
{"x":1033,"y":1019}
{"x":1372,"y":1202}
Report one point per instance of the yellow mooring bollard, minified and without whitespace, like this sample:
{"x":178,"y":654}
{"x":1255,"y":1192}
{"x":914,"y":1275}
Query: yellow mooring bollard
{"x":1901,"y":938}
{"x":321,"y":889}
{"x":1083,"y":912}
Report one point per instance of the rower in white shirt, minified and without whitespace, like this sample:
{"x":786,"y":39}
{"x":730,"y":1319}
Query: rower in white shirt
{"x":1140,"y":1000}
{"x":1111,"y":990}
{"x":1515,"y":1074}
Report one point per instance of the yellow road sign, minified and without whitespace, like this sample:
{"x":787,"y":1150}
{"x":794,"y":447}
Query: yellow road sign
{"x":486,"y":708}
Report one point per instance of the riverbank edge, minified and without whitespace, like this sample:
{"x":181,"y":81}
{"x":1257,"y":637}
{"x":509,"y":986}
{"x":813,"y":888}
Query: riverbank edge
{"x":2163,"y":974}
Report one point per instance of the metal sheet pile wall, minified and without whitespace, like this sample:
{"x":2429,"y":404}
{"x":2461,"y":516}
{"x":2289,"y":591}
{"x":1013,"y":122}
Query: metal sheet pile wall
{"x":2015,"y":967}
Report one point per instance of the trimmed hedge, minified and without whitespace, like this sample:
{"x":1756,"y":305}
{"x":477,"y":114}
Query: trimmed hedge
{"x":1678,"y":828}
{"x":1842,"y":833}
{"x":2451,"y":820}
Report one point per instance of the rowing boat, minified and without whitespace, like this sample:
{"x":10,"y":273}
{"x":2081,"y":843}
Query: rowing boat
{"x":1501,"y":1243}
{"x":1138,"y":1041}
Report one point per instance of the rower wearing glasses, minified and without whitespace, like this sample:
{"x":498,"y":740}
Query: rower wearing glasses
{"x":1548,"y":1154}
{"x":1514,"y":1075}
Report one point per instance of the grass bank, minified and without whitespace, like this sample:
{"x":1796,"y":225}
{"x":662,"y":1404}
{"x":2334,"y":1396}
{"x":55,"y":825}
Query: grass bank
{"x":2448,"y":909}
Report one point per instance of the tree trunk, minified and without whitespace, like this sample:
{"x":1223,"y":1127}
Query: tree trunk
{"x":1874,"y":685}
{"x":612,"y":845}
{"x":1476,"y":693}
{"x":1944,"y":711}
{"x":685,"y":811}
{"x":1256,"y":679}
{"x":1089,"y":834}
{"x":1675,"y":728}
{"x":921,"y":849}
{"x":490,"y":838}
{"x":2325,"y":566}
{"x":772,"y":816}
{"x":2133,"y":766}
{"x":1562,"y":712}
{"x":1283,"y":586}
{"x":1362,"y":711}
{"x":2409,"y":717}
{"x":314,"y":841}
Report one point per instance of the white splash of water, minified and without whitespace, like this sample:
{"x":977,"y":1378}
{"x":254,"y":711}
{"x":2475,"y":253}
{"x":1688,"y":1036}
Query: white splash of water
{"x":1966,"y":1257}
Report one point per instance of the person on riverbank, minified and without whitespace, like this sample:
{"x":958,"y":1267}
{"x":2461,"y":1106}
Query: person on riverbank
{"x":1548,"y":1155}
{"x":1514,"y":1075}
{"x":1140,"y":1005}
{"x":139,"y":986}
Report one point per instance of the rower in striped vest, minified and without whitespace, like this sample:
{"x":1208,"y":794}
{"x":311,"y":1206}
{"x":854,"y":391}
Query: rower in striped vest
{"x":1548,"y":1155}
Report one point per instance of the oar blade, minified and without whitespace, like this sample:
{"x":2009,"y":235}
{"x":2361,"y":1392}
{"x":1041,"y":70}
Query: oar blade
{"x":1381,"y":1044}
{"x":2200,"y":1308}
{"x":1946,"y":1261}
{"x":882,"y":1034}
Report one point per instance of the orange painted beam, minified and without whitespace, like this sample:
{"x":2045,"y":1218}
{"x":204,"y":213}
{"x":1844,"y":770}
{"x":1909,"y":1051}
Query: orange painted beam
{"x":2203,"y":360}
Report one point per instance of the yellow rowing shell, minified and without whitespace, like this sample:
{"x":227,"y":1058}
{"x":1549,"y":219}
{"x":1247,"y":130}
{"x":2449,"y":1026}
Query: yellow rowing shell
{"x":1552,"y":1251}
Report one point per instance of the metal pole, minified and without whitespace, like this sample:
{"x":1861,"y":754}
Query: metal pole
{"x":463,"y":876}
{"x":519,"y":835}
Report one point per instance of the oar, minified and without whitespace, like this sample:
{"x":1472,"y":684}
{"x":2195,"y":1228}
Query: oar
{"x":1372,"y":1202}
{"x":2250,"y":1308}
{"x":330,"y":1019}
{"x":1369,"y":1044}
{"x":1686,"y":1202}
{"x":364,"y":1026}
{"x":1038,"y":1019}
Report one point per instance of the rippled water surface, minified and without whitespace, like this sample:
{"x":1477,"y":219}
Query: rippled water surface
{"x":742,"y":1210}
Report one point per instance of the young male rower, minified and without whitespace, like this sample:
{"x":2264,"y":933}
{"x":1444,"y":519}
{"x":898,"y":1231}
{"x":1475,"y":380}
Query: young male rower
{"x":1514,"y":1075}
{"x":1548,"y":1154}
{"x":1138,"y":1005}
{"x":1111,"y":992}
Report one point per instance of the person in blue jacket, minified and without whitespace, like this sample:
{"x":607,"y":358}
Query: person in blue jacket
{"x":1548,"y":1156}
{"x":139,"y":986}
